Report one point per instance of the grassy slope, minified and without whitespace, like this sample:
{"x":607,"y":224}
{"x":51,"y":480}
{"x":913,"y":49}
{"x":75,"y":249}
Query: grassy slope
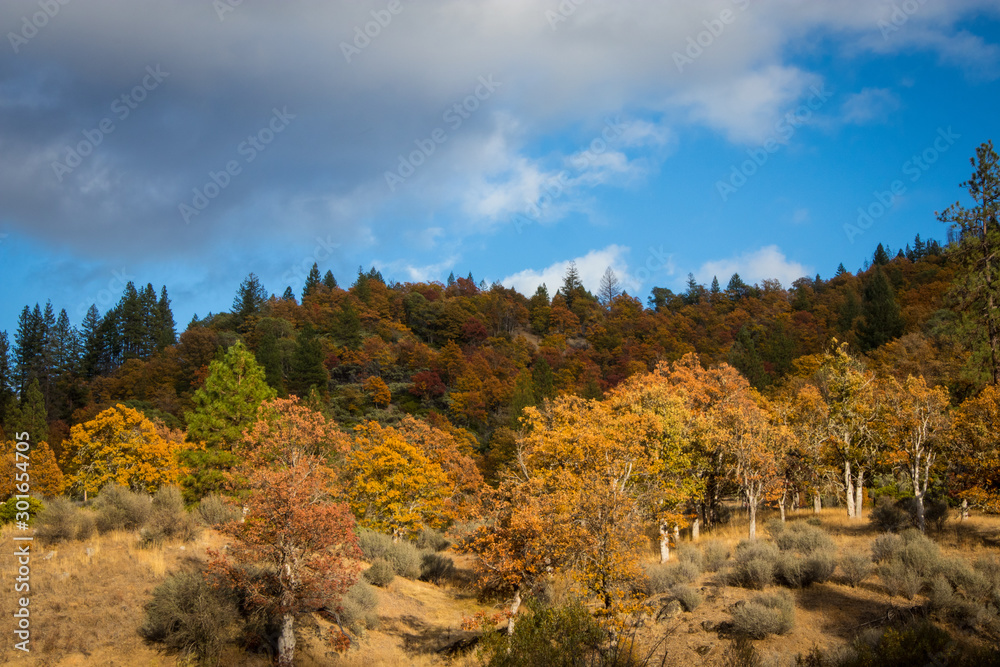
{"x":87,"y":600}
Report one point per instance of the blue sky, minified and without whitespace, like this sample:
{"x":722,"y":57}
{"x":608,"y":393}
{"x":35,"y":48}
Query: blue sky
{"x":499,"y":137}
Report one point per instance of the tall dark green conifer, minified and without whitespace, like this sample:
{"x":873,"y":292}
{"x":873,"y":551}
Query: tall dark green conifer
{"x":881,"y":319}
{"x":165,"y":329}
{"x":249,"y":302}
{"x":881,"y":256}
{"x":307,"y":369}
{"x":29,"y":416}
{"x":329,"y":280}
{"x":6,"y":378}
{"x":289,"y":295}
{"x":976,"y":289}
{"x":311,"y":281}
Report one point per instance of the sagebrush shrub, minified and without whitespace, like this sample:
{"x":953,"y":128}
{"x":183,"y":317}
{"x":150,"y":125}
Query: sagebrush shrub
{"x":436,"y":568}
{"x":714,"y":554}
{"x":804,"y":539}
{"x":381,"y":573}
{"x":856,"y":568}
{"x":188,"y":615}
{"x":688,"y":596}
{"x":661,"y":577}
{"x":689,"y":553}
{"x":890,"y":515}
{"x":121,"y":509}
{"x":765,"y":614}
{"x":214,"y":510}
{"x":404,"y":556}
{"x":168,"y":520}
{"x":358,"y":609}
{"x":755,"y":564}
{"x":919,"y":552}
{"x":432,"y":540}
{"x":886,"y":546}
{"x":899,"y":579}
{"x":62,"y":520}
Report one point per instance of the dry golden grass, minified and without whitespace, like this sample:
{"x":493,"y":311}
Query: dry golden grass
{"x":87,"y":603}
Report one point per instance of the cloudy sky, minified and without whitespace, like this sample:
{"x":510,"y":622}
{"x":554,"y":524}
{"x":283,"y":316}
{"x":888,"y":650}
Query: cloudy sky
{"x":189,"y":143}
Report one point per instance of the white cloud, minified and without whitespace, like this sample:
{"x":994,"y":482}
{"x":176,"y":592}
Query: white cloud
{"x":753,"y":267}
{"x":871,"y":105}
{"x":590,"y":267}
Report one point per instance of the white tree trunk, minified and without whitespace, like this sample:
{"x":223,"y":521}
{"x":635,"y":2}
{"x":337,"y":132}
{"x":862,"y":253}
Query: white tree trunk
{"x":859,"y":491}
{"x":781,"y":505}
{"x":817,"y":503}
{"x":286,"y":642}
{"x":965,"y":510}
{"x":795,"y":502}
{"x":514,"y":606}
{"x":752,"y":506}
{"x":849,"y":487}
{"x":695,"y":529}
{"x":664,"y":543}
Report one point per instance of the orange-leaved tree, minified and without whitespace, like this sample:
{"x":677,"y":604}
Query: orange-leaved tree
{"x":120,"y":445}
{"x":295,"y":551}
{"x":44,"y":476}
{"x":975,"y":452}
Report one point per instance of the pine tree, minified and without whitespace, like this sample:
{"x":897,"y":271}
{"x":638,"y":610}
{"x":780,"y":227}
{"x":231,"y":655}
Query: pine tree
{"x":248,"y":303}
{"x":694,"y":291}
{"x":311,"y":281}
{"x":348,"y":329}
{"x":307,"y":370}
{"x":745,"y":357}
{"x":451,"y":279}
{"x":329,"y":280}
{"x":6,"y":377}
{"x":228,"y":401}
{"x":543,"y":379}
{"x":881,"y":256}
{"x":737,"y":289}
{"x":881,"y":319}
{"x":29,"y":343}
{"x":269,"y":357}
{"x":30,"y":416}
{"x":165,"y":328}
{"x":289,"y":295}
{"x":976,"y":288}
{"x":523,"y":397}
{"x":715,"y":290}
{"x":840,"y":270}
{"x":572,"y":286}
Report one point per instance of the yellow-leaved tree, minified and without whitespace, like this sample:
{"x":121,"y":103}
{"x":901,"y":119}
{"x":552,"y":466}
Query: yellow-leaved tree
{"x":392,"y":486}
{"x":44,"y":474}
{"x":121,"y":445}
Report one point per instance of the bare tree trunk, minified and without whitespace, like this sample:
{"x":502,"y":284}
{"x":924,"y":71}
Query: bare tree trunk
{"x":695,"y":529}
{"x":664,"y":543}
{"x":677,"y":535}
{"x":514,"y":606}
{"x":753,"y":520}
{"x":781,"y":505}
{"x":859,"y":490}
{"x":849,"y":487}
{"x":965,"y":510}
{"x":286,"y":641}
{"x":795,"y":502}
{"x":817,"y":503}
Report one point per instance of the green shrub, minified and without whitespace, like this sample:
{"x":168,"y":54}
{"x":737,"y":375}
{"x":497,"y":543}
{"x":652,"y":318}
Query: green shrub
{"x":168,"y":520}
{"x":215,"y":511}
{"x":856,"y":568}
{"x":121,"y":509}
{"x":381,"y":573}
{"x":765,"y":614}
{"x":941,"y":595}
{"x":889,"y":515}
{"x":662,"y":577}
{"x":715,"y":554}
{"x":886,"y":546}
{"x":814,"y":521}
{"x":432,"y":540}
{"x":688,"y":596}
{"x":566,"y":635}
{"x":436,"y":568}
{"x":358,"y":609}
{"x":190,"y":616}
{"x":9,"y":511}
{"x":921,"y":643}
{"x":62,"y":520}
{"x":755,"y":564}
{"x":798,"y":571}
